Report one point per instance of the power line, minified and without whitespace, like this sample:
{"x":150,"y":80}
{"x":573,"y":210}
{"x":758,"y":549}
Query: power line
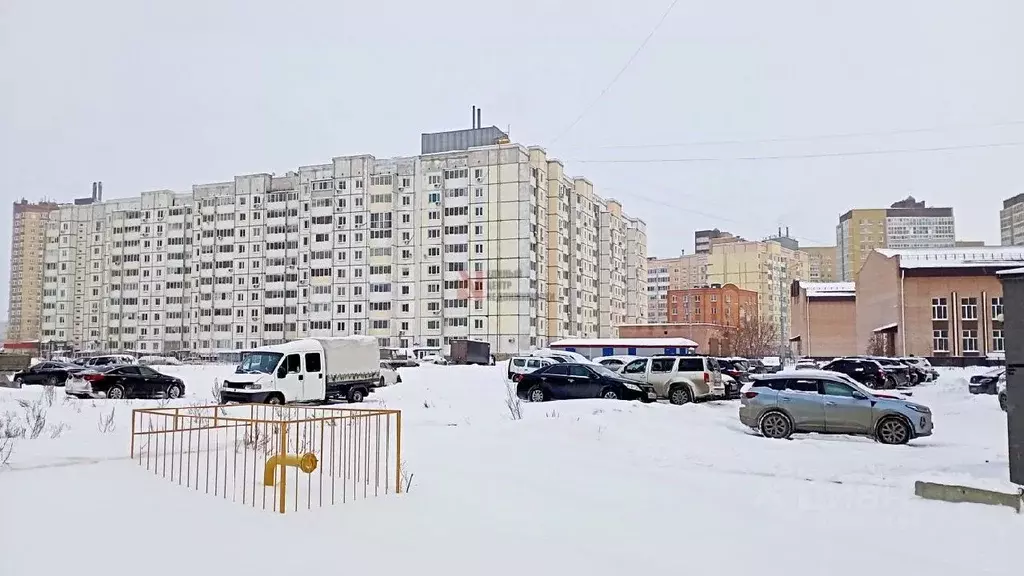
{"x":835,"y":136}
{"x":618,"y":75}
{"x":802,"y":156}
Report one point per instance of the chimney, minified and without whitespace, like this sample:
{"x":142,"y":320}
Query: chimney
{"x":94,"y":191}
{"x":787,"y":231}
{"x":478,"y":121}
{"x":472,"y":118}
{"x":99,"y":191}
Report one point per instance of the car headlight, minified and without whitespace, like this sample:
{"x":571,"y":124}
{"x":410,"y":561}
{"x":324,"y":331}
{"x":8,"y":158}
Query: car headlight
{"x":632,"y":387}
{"x":918,"y":409}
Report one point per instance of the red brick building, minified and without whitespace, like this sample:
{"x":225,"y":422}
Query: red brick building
{"x":934,"y":302}
{"x":715,"y":305}
{"x":823,"y":319}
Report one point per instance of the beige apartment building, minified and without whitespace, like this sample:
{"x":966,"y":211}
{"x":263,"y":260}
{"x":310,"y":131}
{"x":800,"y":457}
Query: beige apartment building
{"x":821,"y":263}
{"x":905,"y":224}
{"x":28,"y":245}
{"x":767,"y":268}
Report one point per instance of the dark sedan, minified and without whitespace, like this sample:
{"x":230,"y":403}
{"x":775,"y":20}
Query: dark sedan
{"x":985,"y":383}
{"x":119,"y":382}
{"x":569,"y":381}
{"x":47,"y":373}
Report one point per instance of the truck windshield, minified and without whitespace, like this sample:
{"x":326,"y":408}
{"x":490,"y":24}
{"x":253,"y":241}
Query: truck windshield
{"x":263,"y":362}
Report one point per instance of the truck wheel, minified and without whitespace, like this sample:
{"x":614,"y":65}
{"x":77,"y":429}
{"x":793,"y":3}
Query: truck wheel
{"x":355,"y":395}
{"x":275,"y":399}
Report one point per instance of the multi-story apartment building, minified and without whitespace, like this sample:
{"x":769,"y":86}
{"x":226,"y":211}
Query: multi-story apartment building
{"x":821,"y":263}
{"x":906,"y":224}
{"x":25,"y":297}
{"x":452,"y":243}
{"x":704,"y":239}
{"x":1011,"y":221}
{"x":766,"y":268}
{"x":664,"y":274}
{"x":622,"y":257}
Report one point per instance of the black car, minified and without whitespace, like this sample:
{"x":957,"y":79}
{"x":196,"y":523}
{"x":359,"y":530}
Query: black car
{"x":47,"y":373}
{"x":736,"y":368}
{"x":755,"y":366}
{"x":985,"y":383}
{"x":864,"y":370}
{"x":119,"y":382}
{"x":569,"y":381}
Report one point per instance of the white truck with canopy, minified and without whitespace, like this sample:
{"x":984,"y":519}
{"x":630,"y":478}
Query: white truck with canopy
{"x":307,"y":370}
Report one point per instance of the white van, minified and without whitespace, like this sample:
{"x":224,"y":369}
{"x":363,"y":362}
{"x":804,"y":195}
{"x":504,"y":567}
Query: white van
{"x":308,"y":370}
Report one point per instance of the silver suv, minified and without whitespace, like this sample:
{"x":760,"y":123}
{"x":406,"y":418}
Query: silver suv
{"x":681,"y":379}
{"x":831,"y":403}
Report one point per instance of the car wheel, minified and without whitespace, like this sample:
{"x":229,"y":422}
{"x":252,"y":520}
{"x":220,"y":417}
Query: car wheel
{"x":609,"y":394}
{"x":893,"y":430}
{"x":173,"y":392}
{"x":355,"y":395}
{"x":775,"y":425}
{"x":18,"y":383}
{"x":115,"y":392}
{"x":275,"y":399}
{"x":680,"y":395}
{"x":536,"y":394}
{"x":51,"y":381}
{"x":1002,"y":402}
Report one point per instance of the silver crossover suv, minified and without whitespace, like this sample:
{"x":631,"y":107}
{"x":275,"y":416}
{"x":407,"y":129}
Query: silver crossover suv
{"x":778,"y":405}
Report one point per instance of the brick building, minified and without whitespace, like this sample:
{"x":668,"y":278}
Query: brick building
{"x":934,"y":302}
{"x":824,"y":319}
{"x":716,"y":305}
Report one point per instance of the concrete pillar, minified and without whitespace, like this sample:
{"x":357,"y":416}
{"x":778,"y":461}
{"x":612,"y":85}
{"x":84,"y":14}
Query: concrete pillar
{"x":1013,"y":326}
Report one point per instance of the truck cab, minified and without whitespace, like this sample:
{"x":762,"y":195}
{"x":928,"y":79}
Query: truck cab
{"x":307,"y":370}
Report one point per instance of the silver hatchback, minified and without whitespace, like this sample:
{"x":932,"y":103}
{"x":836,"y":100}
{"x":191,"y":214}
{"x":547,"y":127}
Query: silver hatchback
{"x":830,"y":403}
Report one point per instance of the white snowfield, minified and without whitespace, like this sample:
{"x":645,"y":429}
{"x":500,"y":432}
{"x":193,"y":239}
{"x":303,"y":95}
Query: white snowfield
{"x":596,"y":488}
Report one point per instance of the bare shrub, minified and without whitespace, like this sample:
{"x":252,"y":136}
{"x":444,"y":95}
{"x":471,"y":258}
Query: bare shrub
{"x":106,"y":424}
{"x":215,"y":390}
{"x":552,"y":414}
{"x":6,"y":449}
{"x":513,"y":402}
{"x":407,"y":477}
{"x":48,"y":394}
{"x":35,"y":417}
{"x":11,"y":426}
{"x":56,"y":431}
{"x":426,"y":404}
{"x":259,"y":439}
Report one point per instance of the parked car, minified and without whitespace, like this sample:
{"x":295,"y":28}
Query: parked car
{"x":732,"y":387}
{"x":865,"y":371}
{"x":159,"y":361}
{"x":897,"y":372}
{"x":562,"y":356}
{"x":1001,"y":391}
{"x":520,"y":365}
{"x":388,"y":375}
{"x":736,"y":368}
{"x":106,"y":360}
{"x":772,"y":364}
{"x":434,"y":359}
{"x":570,"y":380}
{"x":46,"y":373}
{"x":986,"y":383}
{"x":806,"y":364}
{"x":614,"y":363}
{"x":830,"y":403}
{"x":756,"y":366}
{"x":124,"y":381}
{"x":923,"y":366}
{"x":680,"y":379}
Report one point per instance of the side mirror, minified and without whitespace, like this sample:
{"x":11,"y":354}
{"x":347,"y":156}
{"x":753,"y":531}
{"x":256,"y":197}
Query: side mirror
{"x":859,"y":396}
{"x":282,"y":371}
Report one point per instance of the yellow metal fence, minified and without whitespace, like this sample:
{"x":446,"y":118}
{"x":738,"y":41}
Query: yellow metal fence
{"x":279,"y":458}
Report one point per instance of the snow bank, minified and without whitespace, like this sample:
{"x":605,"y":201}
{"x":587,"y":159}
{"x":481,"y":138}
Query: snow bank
{"x":585,"y":487}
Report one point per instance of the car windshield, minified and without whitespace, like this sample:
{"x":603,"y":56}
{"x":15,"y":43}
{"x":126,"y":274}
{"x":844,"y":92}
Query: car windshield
{"x":259,"y":362}
{"x":857,"y":385}
{"x":995,"y":371}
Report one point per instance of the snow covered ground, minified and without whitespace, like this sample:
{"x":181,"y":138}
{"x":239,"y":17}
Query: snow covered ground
{"x":584,"y":487}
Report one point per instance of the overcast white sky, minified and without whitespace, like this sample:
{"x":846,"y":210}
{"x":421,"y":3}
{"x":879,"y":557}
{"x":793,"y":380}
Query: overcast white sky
{"x":146,"y":97}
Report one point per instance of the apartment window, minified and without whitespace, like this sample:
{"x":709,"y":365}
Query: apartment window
{"x":940,"y":310}
{"x":940,"y":341}
{"x":970,"y":340}
{"x":998,"y":344}
{"x":997,"y":308}
{"x":969,"y":311}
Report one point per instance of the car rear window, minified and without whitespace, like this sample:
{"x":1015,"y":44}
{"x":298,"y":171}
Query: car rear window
{"x":518,"y":362}
{"x":691,"y":364}
{"x":713,"y":365}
